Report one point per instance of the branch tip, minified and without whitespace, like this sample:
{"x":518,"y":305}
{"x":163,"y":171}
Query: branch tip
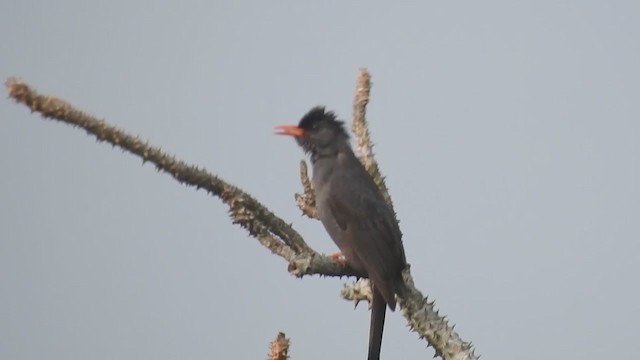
{"x":279,"y":348}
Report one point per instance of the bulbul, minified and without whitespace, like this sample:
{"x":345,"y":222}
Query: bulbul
{"x":353,"y":211}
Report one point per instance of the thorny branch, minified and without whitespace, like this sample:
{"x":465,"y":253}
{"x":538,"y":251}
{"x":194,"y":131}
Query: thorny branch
{"x":307,"y":200}
{"x":279,"y":348}
{"x":270,"y":230}
{"x":361,"y":130}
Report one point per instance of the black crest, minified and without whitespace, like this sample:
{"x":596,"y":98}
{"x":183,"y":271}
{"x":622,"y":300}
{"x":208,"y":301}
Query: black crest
{"x":319,"y":117}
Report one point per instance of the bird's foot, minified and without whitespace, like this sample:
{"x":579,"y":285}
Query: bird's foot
{"x":339,"y":259}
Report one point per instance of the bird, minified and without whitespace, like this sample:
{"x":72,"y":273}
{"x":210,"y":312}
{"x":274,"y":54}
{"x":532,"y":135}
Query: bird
{"x":353,"y":211}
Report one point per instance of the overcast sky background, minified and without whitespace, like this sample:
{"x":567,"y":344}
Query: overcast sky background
{"x":508,"y":131}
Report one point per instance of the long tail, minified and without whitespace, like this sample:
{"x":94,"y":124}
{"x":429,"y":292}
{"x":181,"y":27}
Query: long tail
{"x":378,"y":312}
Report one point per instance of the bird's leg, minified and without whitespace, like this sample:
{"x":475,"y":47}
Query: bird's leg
{"x":339,"y":259}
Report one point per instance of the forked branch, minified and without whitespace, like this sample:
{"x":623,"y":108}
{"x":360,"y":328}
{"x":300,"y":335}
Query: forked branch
{"x":269,"y":229}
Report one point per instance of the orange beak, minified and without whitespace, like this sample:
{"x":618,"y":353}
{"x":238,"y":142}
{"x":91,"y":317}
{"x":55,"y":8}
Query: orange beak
{"x":290,"y":130}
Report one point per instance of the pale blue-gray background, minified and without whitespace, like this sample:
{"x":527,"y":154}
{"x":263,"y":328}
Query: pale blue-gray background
{"x":508,"y":131}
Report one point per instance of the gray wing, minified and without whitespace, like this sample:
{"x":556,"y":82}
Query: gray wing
{"x":371,"y":230}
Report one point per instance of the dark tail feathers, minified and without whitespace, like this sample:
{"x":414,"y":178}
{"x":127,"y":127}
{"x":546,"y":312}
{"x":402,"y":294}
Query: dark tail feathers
{"x":378,"y":312}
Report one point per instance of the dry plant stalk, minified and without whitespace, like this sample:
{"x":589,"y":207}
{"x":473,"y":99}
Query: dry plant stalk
{"x":307,"y":200}
{"x":270,"y":230}
{"x":279,"y":348}
{"x":360,"y":129}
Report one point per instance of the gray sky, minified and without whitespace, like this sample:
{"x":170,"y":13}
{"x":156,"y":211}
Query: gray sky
{"x":508,"y":131}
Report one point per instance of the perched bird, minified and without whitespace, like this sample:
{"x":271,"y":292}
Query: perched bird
{"x":353,"y":211}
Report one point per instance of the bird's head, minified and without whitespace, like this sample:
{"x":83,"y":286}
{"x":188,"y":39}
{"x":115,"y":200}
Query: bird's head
{"x":319,"y":132}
